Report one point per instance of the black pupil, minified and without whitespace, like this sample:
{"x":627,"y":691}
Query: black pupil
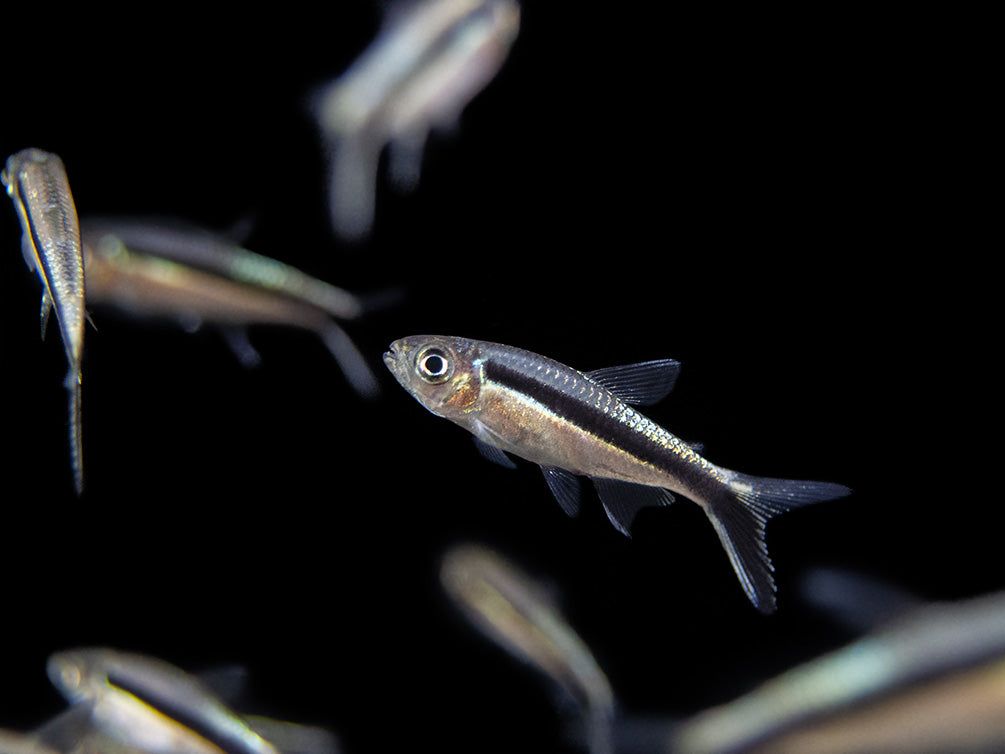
{"x":434,"y":364}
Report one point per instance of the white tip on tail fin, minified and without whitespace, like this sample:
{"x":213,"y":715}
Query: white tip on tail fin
{"x":739,"y":515}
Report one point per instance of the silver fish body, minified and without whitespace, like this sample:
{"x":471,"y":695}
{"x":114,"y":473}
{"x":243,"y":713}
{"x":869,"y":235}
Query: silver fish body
{"x":573,"y":423}
{"x":50,"y":242}
{"x":931,"y":679}
{"x":427,"y":63}
{"x":512,"y":609}
{"x":167,"y":270}
{"x":148,"y":705}
{"x":23,"y":743}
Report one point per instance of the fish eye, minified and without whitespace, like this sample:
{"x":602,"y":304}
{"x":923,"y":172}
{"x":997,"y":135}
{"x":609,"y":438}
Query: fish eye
{"x":434,"y":366}
{"x":70,"y":676}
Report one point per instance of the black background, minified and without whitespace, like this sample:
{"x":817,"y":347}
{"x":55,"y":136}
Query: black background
{"x":737,"y":192}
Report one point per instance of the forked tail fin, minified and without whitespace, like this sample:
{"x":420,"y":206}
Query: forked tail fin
{"x":739,"y":515}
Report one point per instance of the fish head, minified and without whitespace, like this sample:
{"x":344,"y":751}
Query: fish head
{"x":72,"y":672}
{"x":442,"y":373}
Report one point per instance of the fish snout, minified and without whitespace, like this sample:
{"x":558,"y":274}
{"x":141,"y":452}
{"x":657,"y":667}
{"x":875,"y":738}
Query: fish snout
{"x":394,"y":356}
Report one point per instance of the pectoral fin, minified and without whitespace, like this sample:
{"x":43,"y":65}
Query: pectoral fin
{"x":492,"y":453}
{"x":623,"y":500}
{"x":237,"y":341}
{"x":642,"y":384}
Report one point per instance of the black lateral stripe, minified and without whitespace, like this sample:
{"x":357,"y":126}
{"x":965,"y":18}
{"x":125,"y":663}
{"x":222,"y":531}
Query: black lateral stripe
{"x":588,"y":417}
{"x":184,"y":715}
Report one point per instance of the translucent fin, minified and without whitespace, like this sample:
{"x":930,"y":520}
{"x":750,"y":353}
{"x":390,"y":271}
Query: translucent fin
{"x":351,"y":361}
{"x":28,"y":252}
{"x":45,"y":312}
{"x":228,"y":682}
{"x":237,"y":341}
{"x":860,"y":602}
{"x":643,"y":384}
{"x":353,"y":187}
{"x":564,"y":485}
{"x":72,"y":384}
{"x":405,"y":160}
{"x":492,"y":453}
{"x":739,"y":515}
{"x":66,"y":730}
{"x":623,"y":500}
{"x":292,"y":738}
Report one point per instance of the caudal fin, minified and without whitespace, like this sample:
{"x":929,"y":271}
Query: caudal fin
{"x":739,"y":515}
{"x":72,"y":383}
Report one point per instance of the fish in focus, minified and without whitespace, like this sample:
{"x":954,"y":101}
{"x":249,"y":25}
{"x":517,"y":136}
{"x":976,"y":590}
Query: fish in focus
{"x":574,"y":424}
{"x":512,"y":609}
{"x":50,"y":242}
{"x":427,"y":63}
{"x":169,"y":270}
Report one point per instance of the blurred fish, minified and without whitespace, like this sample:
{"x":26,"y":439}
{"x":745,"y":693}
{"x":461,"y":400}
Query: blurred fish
{"x":574,"y":423}
{"x":429,"y":60}
{"x":859,"y":602}
{"x":150,"y":705}
{"x":169,"y":270}
{"x":23,"y":743}
{"x":50,"y":242}
{"x":135,"y":703}
{"x":931,"y":680}
{"x":510,"y":608}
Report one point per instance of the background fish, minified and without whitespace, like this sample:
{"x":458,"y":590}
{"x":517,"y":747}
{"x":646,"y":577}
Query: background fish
{"x":429,"y":60}
{"x":171,"y":271}
{"x":774,"y":192}
{"x":930,"y":679}
{"x":514,"y":611}
{"x":571,"y":423}
{"x":50,"y":242}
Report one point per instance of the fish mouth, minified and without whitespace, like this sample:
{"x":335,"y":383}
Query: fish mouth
{"x":391,"y":355}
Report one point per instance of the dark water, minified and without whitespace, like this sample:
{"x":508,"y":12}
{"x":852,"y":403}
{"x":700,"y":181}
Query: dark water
{"x":723,"y":191}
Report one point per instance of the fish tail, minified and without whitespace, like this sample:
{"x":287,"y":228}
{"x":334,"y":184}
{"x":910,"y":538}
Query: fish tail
{"x":739,"y":513}
{"x":354,"y":163}
{"x":76,"y":445}
{"x":350,"y":360}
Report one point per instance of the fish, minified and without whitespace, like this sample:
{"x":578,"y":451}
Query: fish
{"x":429,"y":60}
{"x":146,"y":704}
{"x":929,"y":679}
{"x":50,"y":243}
{"x":512,"y":609}
{"x":168,"y":269}
{"x":574,"y":424}
{"x":23,"y":743}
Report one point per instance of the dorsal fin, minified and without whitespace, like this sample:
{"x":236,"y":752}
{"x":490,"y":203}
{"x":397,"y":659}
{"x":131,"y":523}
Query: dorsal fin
{"x":641,"y":384}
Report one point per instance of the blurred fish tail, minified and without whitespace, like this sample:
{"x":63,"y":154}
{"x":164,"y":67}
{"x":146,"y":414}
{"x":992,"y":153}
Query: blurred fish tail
{"x":739,"y":513}
{"x":354,"y":163}
{"x":72,"y":383}
{"x":351,"y":361}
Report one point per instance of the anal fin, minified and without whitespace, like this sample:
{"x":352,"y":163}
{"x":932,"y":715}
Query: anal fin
{"x":623,"y":500}
{"x":564,"y":485}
